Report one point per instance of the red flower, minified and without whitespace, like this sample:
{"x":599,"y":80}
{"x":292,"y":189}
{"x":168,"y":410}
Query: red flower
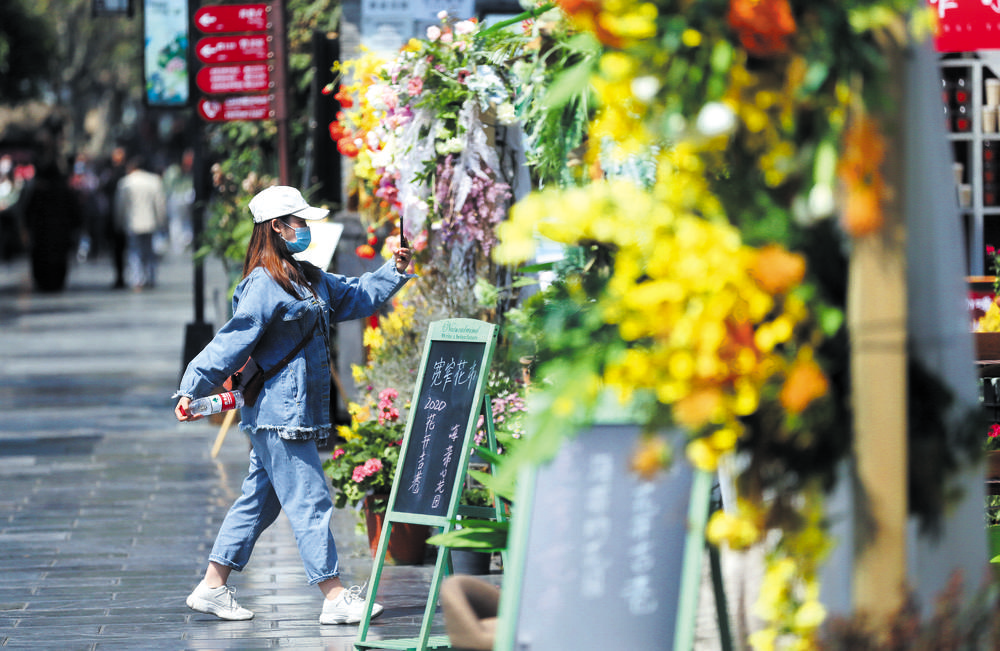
{"x":762,"y":25}
{"x":346,"y":101}
{"x":347,"y":147}
{"x":338,"y":131}
{"x":365,"y":251}
{"x":994,"y":430}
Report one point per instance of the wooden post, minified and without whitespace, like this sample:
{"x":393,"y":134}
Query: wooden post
{"x":876,"y":312}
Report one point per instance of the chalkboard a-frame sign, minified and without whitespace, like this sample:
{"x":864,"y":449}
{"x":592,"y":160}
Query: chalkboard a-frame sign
{"x":444,"y":410}
{"x":590,"y":541}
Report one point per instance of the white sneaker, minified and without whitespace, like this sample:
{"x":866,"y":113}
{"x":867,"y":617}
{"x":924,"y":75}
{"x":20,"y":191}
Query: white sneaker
{"x":347,"y":608}
{"x":220,"y":602}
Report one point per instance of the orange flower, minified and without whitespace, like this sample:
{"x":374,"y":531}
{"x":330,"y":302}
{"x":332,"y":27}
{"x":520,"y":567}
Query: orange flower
{"x":777,"y":270}
{"x":860,"y":171}
{"x":365,"y":251}
{"x":863,"y":211}
{"x":587,"y":15}
{"x":804,"y":383}
{"x":651,"y":456}
{"x":699,"y":407}
{"x":762,"y":25}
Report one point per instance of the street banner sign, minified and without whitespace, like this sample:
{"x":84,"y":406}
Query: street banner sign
{"x":232,"y":49}
{"x":245,"y":78}
{"x":966,"y":25}
{"x":247,"y":107}
{"x":216,"y":19}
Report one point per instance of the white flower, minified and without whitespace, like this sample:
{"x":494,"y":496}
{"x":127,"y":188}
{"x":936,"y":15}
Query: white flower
{"x":716,"y":119}
{"x":821,"y":203}
{"x":465,"y":27}
{"x":506,"y":115}
{"x":443,"y":14}
{"x":644,"y":88}
{"x":433,"y":33}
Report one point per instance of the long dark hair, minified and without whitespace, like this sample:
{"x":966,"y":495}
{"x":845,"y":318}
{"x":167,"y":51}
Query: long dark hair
{"x":267,"y":249}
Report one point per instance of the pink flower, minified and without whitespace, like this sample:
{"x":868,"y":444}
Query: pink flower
{"x":994,"y":430}
{"x":433,"y":33}
{"x":366,"y":470}
{"x":339,"y":452}
{"x":415,"y":86}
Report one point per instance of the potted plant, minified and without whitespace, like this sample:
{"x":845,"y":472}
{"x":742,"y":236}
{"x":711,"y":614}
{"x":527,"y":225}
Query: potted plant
{"x":361,"y":470}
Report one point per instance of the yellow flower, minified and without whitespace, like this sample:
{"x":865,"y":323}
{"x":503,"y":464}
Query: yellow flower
{"x":702,"y":455}
{"x":809,"y":617}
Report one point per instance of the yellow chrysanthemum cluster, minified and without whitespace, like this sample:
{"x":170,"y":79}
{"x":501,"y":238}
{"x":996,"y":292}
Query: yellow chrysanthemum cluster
{"x":705,"y":322}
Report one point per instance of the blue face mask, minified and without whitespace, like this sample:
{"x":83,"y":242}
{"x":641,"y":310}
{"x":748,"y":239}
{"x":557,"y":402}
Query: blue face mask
{"x":302,"y":239}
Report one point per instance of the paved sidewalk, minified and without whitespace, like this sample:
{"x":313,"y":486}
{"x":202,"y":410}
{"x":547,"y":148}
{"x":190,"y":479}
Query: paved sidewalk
{"x":108,"y":506}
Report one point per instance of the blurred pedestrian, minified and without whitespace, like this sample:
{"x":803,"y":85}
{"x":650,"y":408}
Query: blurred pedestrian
{"x":52,"y":218}
{"x":179,"y":183}
{"x":84,"y":182}
{"x":141,"y":211}
{"x":111,"y":173}
{"x":282,"y":304}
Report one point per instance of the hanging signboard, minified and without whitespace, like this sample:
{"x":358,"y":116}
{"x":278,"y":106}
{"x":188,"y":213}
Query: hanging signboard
{"x":245,"y":78}
{"x":967,"y":25}
{"x":250,"y":107}
{"x":165,"y":55}
{"x":233,"y":49}
{"x":216,"y":19}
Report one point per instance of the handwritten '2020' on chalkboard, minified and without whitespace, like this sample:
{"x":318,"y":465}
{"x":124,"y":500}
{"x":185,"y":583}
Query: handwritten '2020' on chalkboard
{"x":441,"y":413}
{"x":601,"y":545}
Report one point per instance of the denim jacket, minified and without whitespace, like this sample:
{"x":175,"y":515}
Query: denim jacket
{"x":268,"y":323}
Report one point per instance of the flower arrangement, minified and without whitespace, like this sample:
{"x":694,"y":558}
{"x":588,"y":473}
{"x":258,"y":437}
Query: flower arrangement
{"x":421,"y":130}
{"x":705,"y":295}
{"x":365,"y":464}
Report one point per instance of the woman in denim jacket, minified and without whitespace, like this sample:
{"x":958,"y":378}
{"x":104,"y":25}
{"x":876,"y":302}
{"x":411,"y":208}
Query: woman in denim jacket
{"x":279,"y":302}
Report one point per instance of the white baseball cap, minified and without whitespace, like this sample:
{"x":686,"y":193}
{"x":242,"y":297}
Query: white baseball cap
{"x":280,"y":201}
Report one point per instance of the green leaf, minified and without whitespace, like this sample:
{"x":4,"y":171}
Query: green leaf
{"x":572,"y":82}
{"x":486,"y":535}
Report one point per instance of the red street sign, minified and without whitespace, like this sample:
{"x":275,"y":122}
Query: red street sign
{"x":248,"y":107}
{"x":966,"y":25}
{"x":232,"y":49}
{"x":232,"y":18}
{"x":246,"y":78}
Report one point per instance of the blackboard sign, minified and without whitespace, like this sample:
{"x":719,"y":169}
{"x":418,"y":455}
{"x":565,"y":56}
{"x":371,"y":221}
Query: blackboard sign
{"x":439,"y":417}
{"x":448,"y":398}
{"x":592,"y":542}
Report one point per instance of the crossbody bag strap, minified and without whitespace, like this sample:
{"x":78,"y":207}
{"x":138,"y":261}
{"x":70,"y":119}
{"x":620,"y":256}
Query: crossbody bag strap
{"x":287,"y":358}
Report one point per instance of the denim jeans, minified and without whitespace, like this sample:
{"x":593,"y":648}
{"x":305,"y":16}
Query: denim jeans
{"x":289,"y":474}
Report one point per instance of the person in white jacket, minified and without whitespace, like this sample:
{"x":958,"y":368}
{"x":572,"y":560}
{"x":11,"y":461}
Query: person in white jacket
{"x":141,"y":211}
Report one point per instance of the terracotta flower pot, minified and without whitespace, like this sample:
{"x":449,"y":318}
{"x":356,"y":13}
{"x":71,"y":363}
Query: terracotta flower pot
{"x":407,"y":543}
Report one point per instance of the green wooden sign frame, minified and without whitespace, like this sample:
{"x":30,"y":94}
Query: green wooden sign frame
{"x":474,"y":342}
